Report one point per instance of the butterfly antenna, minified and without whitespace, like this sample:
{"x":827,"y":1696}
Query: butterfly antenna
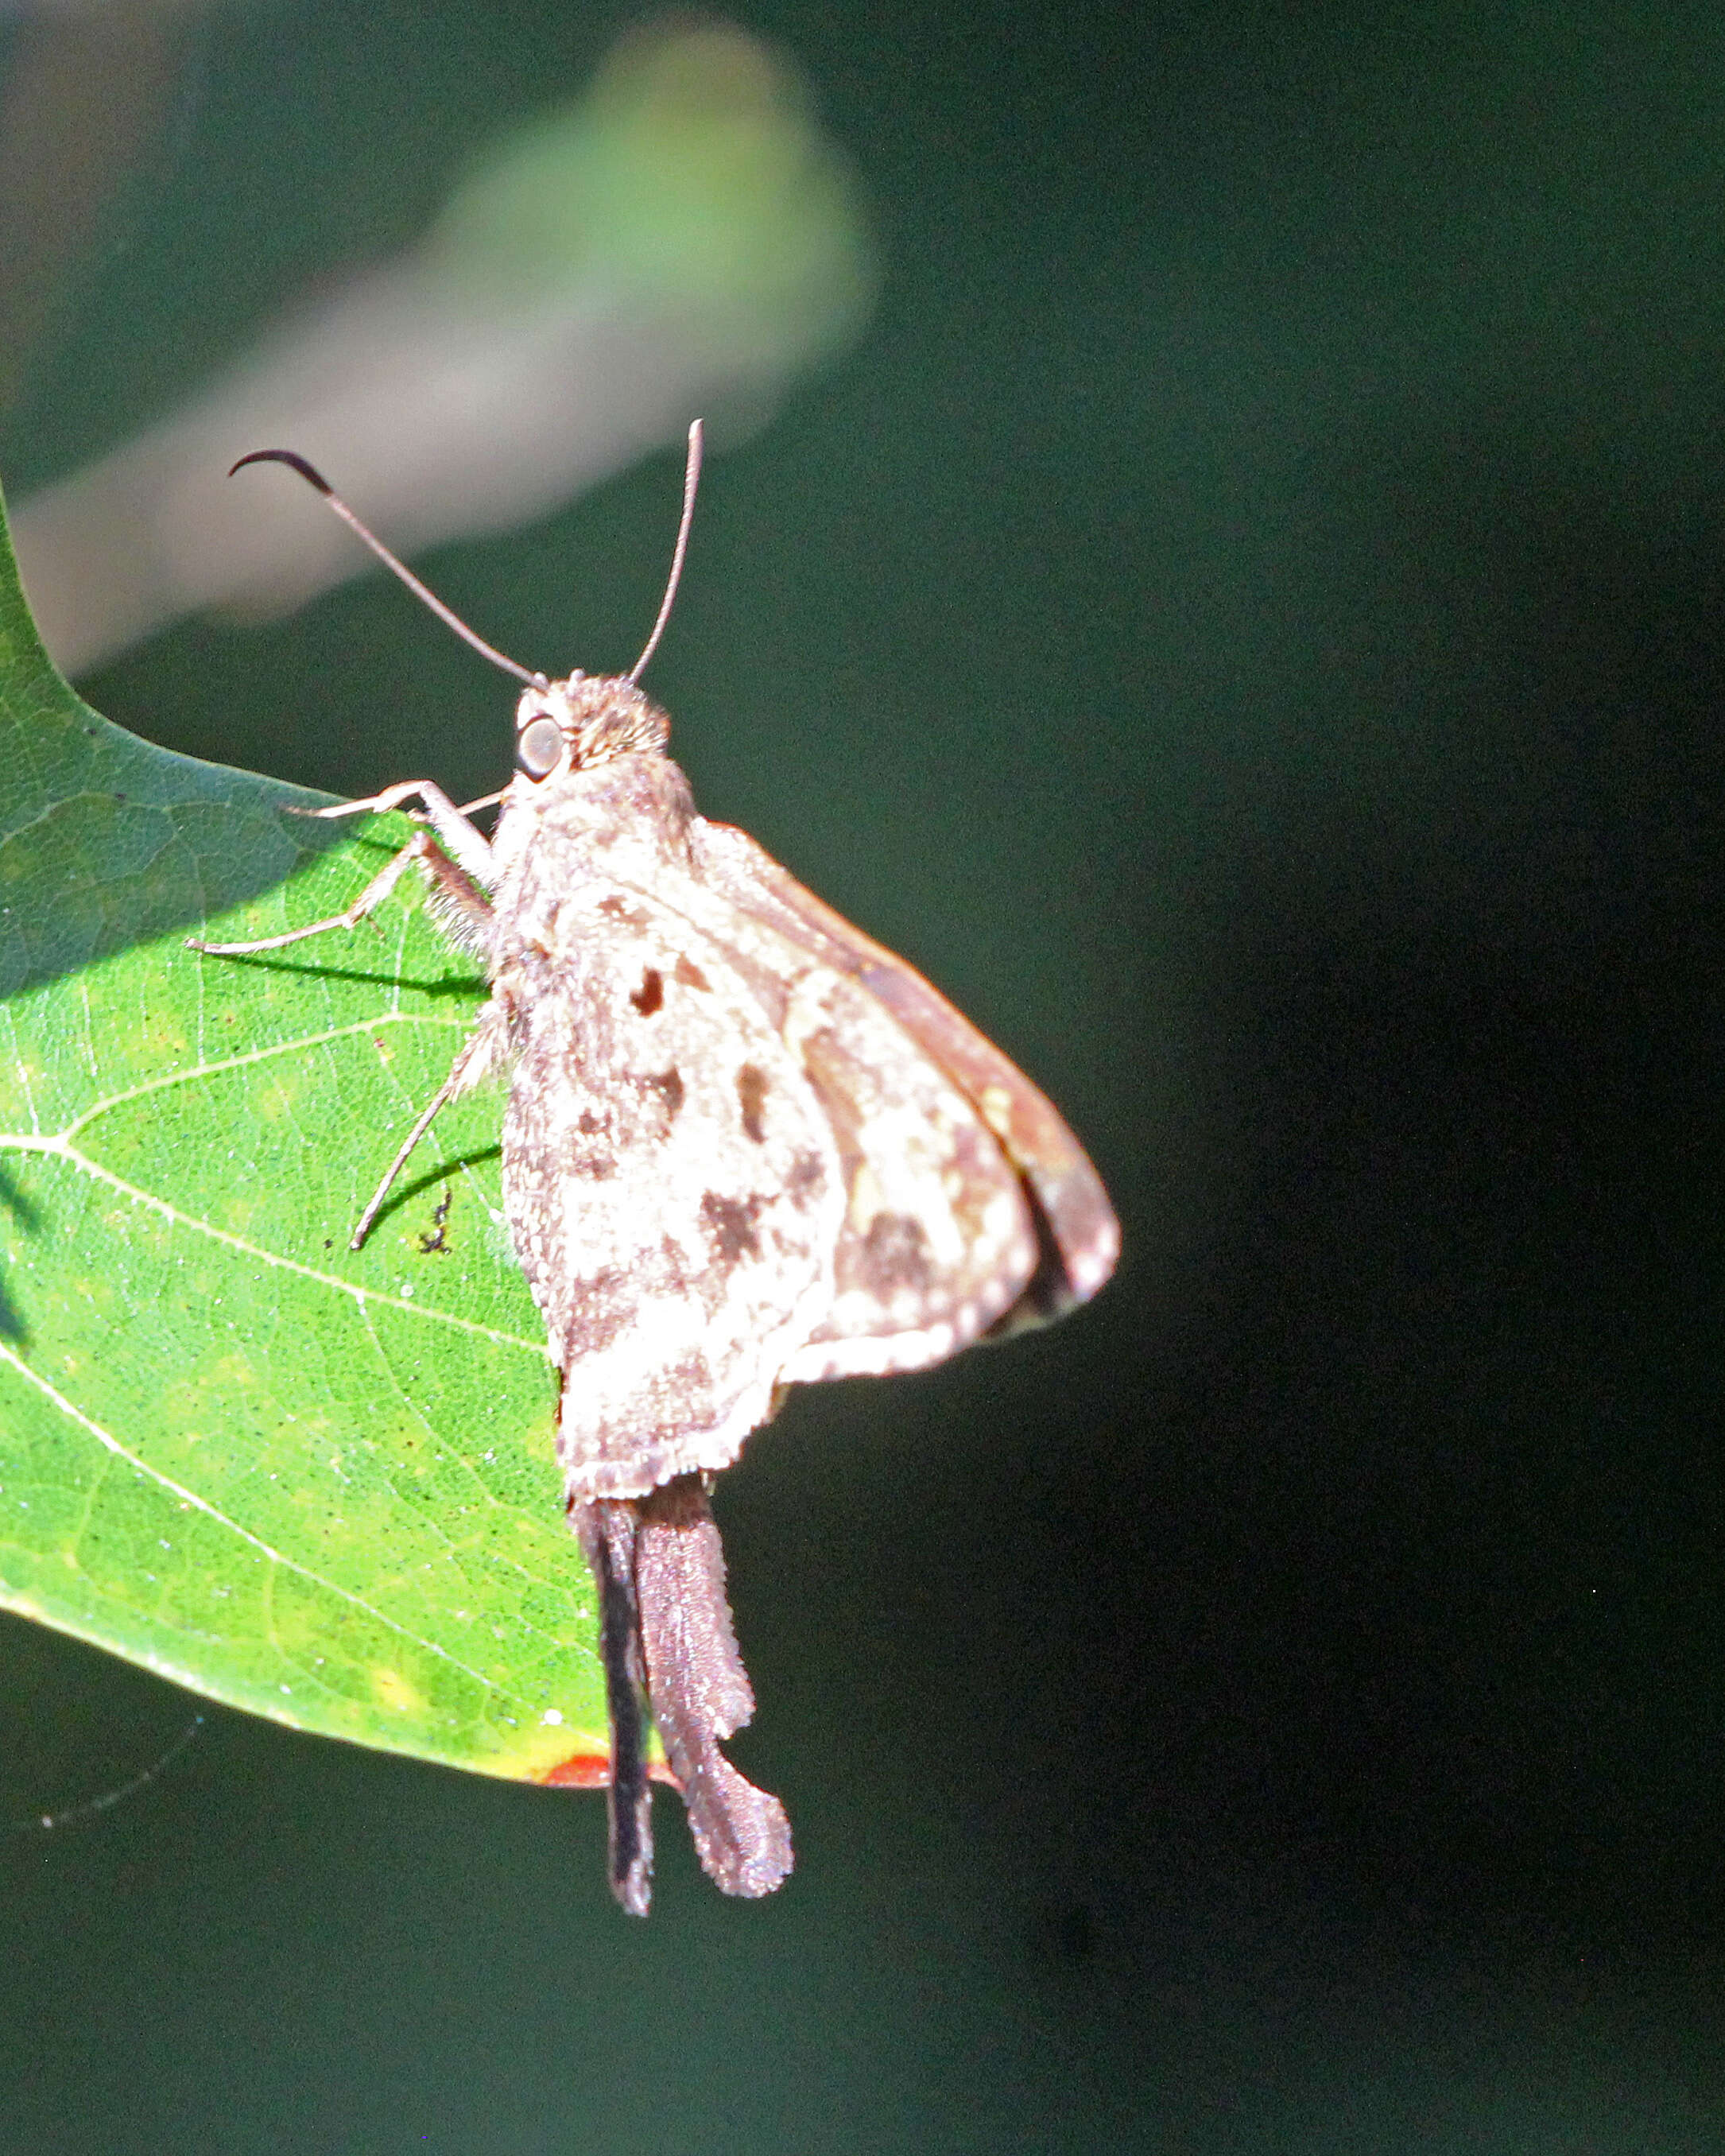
{"x":429,"y":597}
{"x":691,"y":480}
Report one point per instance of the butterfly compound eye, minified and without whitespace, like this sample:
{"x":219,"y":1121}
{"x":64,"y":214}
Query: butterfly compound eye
{"x":540,"y":746}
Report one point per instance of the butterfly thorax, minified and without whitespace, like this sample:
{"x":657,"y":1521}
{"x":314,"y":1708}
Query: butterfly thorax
{"x":567,"y":842}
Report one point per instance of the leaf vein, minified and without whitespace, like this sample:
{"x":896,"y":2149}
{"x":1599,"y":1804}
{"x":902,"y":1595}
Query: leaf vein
{"x":190,"y":1498}
{"x":220,"y":1067}
{"x":361,"y":1295}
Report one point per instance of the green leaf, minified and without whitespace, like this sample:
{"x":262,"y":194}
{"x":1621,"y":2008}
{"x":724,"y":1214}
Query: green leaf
{"x":316,"y":1484}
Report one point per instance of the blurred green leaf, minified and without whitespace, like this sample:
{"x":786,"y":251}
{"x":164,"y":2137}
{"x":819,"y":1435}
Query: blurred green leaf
{"x":694,"y":169}
{"x":316,"y":1484}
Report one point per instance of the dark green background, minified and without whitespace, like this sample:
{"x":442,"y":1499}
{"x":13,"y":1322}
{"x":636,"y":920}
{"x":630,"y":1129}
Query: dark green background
{"x":1249,"y":620}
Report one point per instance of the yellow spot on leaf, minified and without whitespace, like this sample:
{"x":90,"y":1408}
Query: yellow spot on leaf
{"x":395,"y":1693}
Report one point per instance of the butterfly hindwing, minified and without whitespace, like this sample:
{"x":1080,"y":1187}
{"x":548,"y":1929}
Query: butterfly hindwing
{"x":1077,"y":1231}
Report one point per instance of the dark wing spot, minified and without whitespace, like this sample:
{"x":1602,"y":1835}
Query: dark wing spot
{"x":809,"y":1171}
{"x":619,"y":909}
{"x":689,"y":975}
{"x":895,"y":1254}
{"x":598,"y":1310}
{"x":752,"y":1097}
{"x":669,"y":1086}
{"x":590,"y":1149}
{"x":730,"y":1223}
{"x":650,"y":995}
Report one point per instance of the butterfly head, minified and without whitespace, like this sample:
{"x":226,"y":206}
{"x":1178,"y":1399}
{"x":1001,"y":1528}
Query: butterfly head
{"x":567,"y":725}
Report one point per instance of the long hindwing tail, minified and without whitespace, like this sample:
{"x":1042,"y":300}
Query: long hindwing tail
{"x":701,"y":1691}
{"x":608,"y":1533}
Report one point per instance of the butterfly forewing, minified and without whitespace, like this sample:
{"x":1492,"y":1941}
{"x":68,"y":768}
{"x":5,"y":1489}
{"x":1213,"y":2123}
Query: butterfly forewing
{"x":673,"y":1189}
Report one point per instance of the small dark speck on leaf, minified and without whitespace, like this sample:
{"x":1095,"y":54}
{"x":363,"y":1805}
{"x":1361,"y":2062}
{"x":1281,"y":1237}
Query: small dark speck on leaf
{"x":432,"y":1239}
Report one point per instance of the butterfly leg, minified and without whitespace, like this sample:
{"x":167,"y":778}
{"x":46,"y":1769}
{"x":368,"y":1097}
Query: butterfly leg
{"x":469,"y":1066}
{"x":470,"y":846}
{"x":372,"y":897}
{"x":464,"y":912}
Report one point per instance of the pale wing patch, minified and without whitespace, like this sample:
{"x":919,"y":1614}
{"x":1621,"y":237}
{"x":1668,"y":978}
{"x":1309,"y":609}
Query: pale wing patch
{"x":677,"y":1219}
{"x":937,"y":1239}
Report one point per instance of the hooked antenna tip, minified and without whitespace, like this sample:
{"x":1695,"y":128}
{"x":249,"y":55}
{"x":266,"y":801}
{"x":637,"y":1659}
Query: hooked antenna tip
{"x":293,"y":461}
{"x":392,"y":562}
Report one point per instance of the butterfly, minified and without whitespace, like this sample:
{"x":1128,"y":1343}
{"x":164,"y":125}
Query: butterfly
{"x":744,"y":1148}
